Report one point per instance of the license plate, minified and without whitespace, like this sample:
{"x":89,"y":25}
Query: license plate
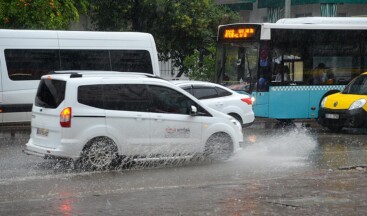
{"x":42,"y":132}
{"x":332,"y":116}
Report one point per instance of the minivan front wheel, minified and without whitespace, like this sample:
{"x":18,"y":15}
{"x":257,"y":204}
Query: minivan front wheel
{"x":99,"y":154}
{"x":219,"y":146}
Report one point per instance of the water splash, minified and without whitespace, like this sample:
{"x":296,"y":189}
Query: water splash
{"x":283,"y":148}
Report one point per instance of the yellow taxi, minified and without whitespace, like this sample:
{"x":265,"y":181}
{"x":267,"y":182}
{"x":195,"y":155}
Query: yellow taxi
{"x":347,"y":108}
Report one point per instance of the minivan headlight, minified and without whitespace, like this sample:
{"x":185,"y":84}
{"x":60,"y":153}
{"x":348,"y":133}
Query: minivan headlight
{"x":357,"y":104}
{"x":323,"y":102}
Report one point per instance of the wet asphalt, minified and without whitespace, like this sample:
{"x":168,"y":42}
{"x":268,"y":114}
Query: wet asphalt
{"x":301,"y":169}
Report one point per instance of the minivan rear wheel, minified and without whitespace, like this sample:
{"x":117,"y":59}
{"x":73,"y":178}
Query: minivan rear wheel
{"x":99,"y":154}
{"x":219,"y":146}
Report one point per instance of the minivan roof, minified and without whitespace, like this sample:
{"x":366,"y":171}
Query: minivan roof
{"x":71,"y":74}
{"x":90,"y":73}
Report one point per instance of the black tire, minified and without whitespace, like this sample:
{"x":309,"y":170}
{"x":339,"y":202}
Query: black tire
{"x":99,"y":154}
{"x":237,"y":117}
{"x":219,"y":146}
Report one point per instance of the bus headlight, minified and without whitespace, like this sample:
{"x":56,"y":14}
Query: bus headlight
{"x":323,"y":102}
{"x":357,"y":104}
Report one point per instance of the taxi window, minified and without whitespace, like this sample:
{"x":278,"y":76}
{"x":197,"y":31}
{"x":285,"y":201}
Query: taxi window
{"x":357,"y":86}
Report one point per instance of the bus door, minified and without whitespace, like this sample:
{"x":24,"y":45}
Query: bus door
{"x":288,"y":96}
{"x":261,"y":92}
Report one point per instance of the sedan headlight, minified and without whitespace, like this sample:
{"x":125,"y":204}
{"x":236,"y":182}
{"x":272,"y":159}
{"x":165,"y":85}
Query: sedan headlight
{"x":357,"y":104}
{"x":323,"y":102}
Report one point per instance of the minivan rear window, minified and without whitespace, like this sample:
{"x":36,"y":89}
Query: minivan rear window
{"x":50,"y":93}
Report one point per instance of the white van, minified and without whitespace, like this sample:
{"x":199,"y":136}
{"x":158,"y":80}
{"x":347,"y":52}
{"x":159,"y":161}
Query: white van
{"x":95,"y":119}
{"x":26,"y":55}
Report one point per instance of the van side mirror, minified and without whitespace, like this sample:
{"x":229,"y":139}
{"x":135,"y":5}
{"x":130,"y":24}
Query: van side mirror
{"x":193,"y":110}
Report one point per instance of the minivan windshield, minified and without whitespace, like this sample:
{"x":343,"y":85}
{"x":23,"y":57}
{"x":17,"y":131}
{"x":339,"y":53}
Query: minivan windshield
{"x":357,"y":86}
{"x":50,"y":93}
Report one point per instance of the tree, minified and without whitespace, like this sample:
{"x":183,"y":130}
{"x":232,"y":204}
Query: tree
{"x":40,"y":14}
{"x":179,"y":26}
{"x":201,"y":67}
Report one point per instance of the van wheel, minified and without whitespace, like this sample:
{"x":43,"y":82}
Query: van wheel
{"x":99,"y":154}
{"x":219,"y":146}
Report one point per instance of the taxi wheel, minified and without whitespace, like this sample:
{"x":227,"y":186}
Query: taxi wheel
{"x":219,"y":146}
{"x":99,"y":154}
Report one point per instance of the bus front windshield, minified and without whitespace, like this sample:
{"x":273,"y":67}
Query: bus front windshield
{"x":237,"y":64}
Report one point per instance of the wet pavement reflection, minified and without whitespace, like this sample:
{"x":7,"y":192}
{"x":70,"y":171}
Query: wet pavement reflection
{"x":298,"y":169}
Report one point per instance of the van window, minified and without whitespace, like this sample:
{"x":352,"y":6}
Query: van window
{"x":50,"y":93}
{"x":131,"y":61}
{"x":357,"y":86}
{"x":91,"y":95}
{"x":85,"y":60}
{"x":166,"y":100}
{"x":126,"y":97}
{"x":32,"y":64}
{"x":123,"y":97}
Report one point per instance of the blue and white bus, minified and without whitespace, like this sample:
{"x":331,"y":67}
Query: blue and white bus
{"x":289,"y":66}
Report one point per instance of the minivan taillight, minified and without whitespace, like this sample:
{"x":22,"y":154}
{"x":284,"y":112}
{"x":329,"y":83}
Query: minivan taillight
{"x":65,"y":117}
{"x":247,"y":100}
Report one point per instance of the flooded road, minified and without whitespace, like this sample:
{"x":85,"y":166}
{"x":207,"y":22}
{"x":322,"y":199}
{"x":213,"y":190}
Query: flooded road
{"x":292,"y":170}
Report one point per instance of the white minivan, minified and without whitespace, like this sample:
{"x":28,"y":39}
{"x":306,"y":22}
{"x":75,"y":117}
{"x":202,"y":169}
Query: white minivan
{"x":99,"y":118}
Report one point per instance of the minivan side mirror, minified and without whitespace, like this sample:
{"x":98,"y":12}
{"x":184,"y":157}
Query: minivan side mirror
{"x":193,"y":110}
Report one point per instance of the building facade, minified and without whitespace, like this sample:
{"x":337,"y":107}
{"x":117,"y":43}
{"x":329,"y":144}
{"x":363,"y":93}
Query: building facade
{"x":258,"y":11}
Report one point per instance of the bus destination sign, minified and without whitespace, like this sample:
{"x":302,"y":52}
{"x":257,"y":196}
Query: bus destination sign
{"x":239,"y":33}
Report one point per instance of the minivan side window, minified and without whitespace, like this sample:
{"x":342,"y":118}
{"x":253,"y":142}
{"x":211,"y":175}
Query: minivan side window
{"x":166,"y":100}
{"x":126,"y":97}
{"x":50,"y":93}
{"x":91,"y":95}
{"x":122,"y":97}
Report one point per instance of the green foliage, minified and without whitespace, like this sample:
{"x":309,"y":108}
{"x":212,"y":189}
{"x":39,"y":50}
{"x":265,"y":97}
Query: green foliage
{"x":201,"y":69}
{"x":179,"y":26}
{"x":40,"y":14}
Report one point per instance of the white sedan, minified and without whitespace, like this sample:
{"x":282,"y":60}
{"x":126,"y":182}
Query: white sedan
{"x":221,"y":98}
